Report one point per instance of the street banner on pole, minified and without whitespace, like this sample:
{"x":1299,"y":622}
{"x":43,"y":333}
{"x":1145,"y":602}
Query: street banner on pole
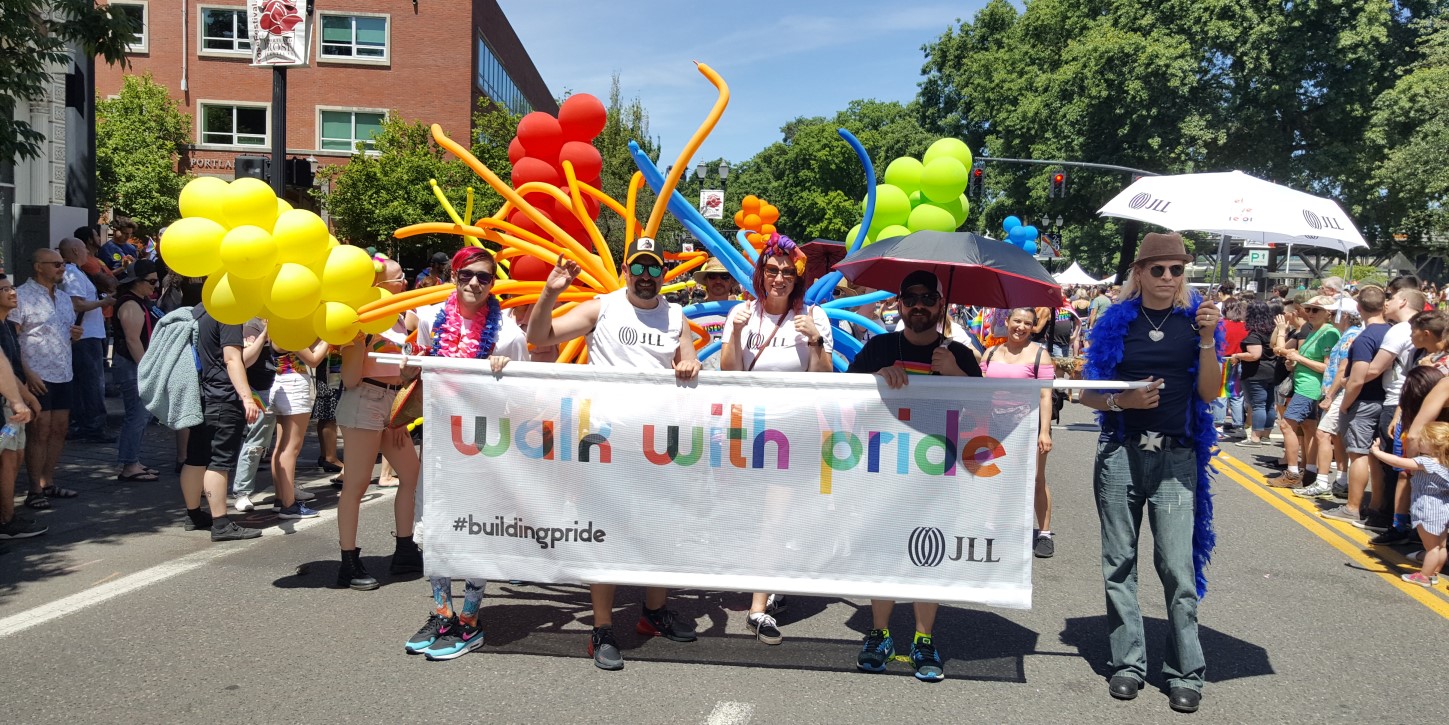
{"x":278,"y":31}
{"x":711,"y":203}
{"x":823,"y":484}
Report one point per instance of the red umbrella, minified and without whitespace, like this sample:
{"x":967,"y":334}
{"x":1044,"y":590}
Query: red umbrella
{"x":820,"y":256}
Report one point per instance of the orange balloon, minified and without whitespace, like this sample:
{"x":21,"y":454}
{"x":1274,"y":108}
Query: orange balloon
{"x":769,"y":213}
{"x":767,"y":229}
{"x":752,"y":221}
{"x":740,"y":218}
{"x":753,"y":237}
{"x":751,"y":204}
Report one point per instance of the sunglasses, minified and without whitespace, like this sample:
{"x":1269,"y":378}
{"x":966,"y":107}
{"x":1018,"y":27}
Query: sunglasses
{"x":837,"y":292}
{"x":639,"y":268}
{"x":467,"y":275}
{"x":1306,"y":308}
{"x":1158,"y":270}
{"x":781,"y":272}
{"x":151,"y":280}
{"x":715,"y":276}
{"x":925,"y":299}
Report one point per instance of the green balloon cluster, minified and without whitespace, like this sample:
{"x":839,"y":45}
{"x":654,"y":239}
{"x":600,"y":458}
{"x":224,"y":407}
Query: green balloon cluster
{"x":921,"y":194}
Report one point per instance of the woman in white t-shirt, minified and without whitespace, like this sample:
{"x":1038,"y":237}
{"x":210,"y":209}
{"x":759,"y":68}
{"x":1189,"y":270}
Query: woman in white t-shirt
{"x":777,"y":332}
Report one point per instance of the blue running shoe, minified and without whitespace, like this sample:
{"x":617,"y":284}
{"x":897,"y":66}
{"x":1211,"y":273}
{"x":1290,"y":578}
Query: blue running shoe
{"x":877,"y":650}
{"x":436,"y":626}
{"x":927,"y":660}
{"x":297,"y":510}
{"x":460,"y":639}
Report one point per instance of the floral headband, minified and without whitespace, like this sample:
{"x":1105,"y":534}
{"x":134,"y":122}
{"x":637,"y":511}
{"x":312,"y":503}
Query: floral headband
{"x":783,"y":246}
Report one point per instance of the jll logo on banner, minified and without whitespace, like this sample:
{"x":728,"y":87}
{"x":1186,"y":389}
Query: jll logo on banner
{"x":1321,"y":222}
{"x":927,"y":547}
{"x":1145,"y":201}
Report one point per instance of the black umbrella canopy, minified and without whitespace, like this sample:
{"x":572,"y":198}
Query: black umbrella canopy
{"x":974,"y":270}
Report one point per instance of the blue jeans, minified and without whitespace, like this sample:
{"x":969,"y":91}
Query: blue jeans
{"x":88,"y":408}
{"x":254,"y":447}
{"x":1260,"y":401}
{"x":1124,"y":480}
{"x":128,"y":445}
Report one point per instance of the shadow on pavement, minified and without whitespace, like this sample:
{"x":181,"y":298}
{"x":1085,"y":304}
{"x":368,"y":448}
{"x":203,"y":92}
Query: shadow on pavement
{"x":1228,"y":658}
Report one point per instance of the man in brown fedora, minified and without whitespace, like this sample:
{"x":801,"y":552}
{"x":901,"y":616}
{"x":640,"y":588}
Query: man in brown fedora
{"x":1154,"y":452}
{"x":717,"y":282}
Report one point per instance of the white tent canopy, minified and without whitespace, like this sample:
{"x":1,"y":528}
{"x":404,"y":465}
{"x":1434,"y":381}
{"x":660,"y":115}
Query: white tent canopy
{"x":1074,"y":275}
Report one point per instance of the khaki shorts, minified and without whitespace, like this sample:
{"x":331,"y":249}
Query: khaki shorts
{"x":17,"y":442}
{"x":365,"y":406}
{"x":1332,"y":420}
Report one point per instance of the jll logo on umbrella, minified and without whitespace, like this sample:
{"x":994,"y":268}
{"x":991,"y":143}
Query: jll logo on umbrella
{"x":1145,"y":200}
{"x":1318,"y":222}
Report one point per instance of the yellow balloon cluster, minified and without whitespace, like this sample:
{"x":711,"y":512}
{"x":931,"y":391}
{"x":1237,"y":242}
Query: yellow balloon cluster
{"x":261,"y":257}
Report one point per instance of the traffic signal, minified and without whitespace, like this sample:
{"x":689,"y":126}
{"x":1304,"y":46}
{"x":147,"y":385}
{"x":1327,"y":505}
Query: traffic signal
{"x":978,"y":177}
{"x":1058,"y":181}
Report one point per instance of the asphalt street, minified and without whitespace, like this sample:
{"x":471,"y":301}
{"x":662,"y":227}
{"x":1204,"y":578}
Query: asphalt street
{"x":120,"y":615}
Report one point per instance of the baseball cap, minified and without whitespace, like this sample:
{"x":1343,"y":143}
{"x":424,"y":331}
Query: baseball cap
{"x":643,"y":247}
{"x":924,"y":278}
{"x":140,"y":269}
{"x":440,"y":258}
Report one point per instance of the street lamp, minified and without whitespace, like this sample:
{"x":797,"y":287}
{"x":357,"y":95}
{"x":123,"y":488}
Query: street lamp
{"x":1059,"y":221}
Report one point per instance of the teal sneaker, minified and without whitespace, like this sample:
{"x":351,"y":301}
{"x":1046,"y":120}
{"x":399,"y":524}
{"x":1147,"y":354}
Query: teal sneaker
{"x":927,"y":660}
{"x":877,"y":649}
{"x":460,"y":639}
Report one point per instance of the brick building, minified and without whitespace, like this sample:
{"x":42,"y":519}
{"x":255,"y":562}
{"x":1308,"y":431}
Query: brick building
{"x":428,"y":61}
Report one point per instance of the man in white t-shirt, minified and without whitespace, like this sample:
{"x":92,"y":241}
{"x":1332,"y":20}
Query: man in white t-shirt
{"x":1392,"y":362}
{"x":630,"y":328}
{"x":88,"y":354}
{"x":716,"y":281}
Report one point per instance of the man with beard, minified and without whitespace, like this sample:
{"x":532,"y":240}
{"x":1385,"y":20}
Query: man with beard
{"x":919,"y":348}
{"x":716,"y":281}
{"x":629,"y":328}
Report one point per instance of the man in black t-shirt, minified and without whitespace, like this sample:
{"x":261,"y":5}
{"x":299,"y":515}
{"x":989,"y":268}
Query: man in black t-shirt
{"x":919,"y":349}
{"x":226,"y":409}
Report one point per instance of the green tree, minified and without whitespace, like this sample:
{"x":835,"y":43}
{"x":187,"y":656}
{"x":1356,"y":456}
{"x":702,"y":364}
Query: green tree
{"x":380,"y":191}
{"x":1275,"y":89}
{"x":628,"y":121}
{"x":1410,"y":127}
{"x":139,"y":135}
{"x":815,"y":178}
{"x":36,"y":35}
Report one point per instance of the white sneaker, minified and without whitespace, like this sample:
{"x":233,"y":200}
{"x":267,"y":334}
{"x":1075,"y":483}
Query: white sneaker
{"x":244,"y":503}
{"x":303,"y":494}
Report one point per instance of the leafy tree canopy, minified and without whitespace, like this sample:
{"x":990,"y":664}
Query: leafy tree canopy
{"x":139,"y":135}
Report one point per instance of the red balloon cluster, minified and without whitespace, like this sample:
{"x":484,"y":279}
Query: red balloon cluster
{"x":542,"y":145}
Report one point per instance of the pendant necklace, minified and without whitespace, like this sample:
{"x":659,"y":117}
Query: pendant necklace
{"x":1156,"y":334}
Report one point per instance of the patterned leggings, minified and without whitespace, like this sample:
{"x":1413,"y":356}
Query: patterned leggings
{"x":472,"y":598}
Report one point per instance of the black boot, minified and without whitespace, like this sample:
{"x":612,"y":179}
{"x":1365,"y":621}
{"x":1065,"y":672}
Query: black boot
{"x":407,"y":558}
{"x":352,"y":574}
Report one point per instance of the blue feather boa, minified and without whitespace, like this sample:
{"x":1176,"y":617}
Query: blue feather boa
{"x":1103,"y":357}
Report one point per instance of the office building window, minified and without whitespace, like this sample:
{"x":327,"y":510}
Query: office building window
{"x":353,"y":37}
{"x":136,"y":12}
{"x":228,"y":125}
{"x":495,"y":82}
{"x":343,"y":130}
{"x":224,"y":30}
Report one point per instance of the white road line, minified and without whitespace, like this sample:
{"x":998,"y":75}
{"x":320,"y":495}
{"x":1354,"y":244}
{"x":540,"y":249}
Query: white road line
{"x":730,"y":713}
{"x":36,"y":616}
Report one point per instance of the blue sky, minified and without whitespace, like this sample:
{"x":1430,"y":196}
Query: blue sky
{"x":781,"y":59}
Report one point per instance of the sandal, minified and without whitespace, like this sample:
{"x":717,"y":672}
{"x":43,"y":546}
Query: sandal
{"x":37,"y":501}
{"x":142,"y":476}
{"x":53,"y":491}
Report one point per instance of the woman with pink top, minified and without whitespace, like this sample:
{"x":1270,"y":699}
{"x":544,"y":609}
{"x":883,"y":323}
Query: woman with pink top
{"x":1022,"y":359}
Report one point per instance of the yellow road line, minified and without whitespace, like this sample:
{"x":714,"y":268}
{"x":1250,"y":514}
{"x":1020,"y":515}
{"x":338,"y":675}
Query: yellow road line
{"x":1252,"y":481}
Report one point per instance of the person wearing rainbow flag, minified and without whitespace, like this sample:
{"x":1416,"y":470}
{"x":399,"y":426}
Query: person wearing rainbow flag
{"x":918,"y":349}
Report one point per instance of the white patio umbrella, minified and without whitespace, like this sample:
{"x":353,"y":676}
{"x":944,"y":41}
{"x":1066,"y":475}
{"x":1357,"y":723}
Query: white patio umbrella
{"x":1074,"y":275}
{"x":1237,"y":205}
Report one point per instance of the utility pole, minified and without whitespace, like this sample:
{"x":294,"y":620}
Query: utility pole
{"x":279,"y":130}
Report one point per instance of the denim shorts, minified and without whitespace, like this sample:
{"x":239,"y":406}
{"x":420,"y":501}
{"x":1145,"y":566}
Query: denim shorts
{"x":1301,"y":408}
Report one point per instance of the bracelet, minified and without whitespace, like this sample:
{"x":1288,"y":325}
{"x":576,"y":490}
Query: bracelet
{"x":1209,"y":346}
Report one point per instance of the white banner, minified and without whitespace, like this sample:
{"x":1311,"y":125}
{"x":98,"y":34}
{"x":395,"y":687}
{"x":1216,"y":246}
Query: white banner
{"x":278,"y":30}
{"x":711,"y":203}
{"x":823,"y":484}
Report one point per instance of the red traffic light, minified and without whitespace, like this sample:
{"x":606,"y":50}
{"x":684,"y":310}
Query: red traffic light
{"x":1057,"y":178}
{"x":977,"y":172}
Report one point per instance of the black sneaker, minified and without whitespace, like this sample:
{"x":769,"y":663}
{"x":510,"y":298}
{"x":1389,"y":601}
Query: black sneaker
{"x":459,"y":639}
{"x":435,"y":627}
{"x":1044,"y":548}
{"x":21,"y":528}
{"x":605,"y":650}
{"x":877,"y":649}
{"x":764,"y":627}
{"x":666,"y":623}
{"x":927,"y":660}
{"x":232,"y":532}
{"x":776,"y":605}
{"x":1392,"y":536}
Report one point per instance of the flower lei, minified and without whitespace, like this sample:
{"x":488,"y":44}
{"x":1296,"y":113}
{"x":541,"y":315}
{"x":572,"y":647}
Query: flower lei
{"x":448,"y":331}
{"x":1103,"y":357}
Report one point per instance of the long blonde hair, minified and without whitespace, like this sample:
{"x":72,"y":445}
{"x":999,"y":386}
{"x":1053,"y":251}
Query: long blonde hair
{"x":1436,"y":441}
{"x":1129,"y":289}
